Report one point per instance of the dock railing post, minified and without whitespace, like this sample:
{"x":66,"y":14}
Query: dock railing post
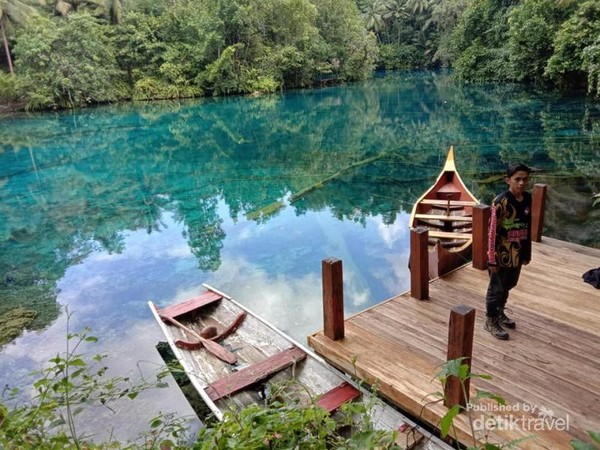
{"x":481,"y":218}
{"x":333,"y":298}
{"x":419,"y":263}
{"x":538,"y":208}
{"x":460,"y":345}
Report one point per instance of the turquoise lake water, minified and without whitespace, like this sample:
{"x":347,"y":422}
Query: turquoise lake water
{"x":104,"y":209}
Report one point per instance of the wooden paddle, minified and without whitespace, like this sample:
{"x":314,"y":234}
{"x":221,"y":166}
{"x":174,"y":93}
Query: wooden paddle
{"x":222,"y":335}
{"x":213,"y":347}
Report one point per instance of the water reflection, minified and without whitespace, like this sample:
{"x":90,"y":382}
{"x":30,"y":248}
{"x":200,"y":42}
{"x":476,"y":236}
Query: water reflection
{"x":107,"y":208}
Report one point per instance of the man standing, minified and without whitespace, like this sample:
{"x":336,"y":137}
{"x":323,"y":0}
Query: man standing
{"x":509,"y":247}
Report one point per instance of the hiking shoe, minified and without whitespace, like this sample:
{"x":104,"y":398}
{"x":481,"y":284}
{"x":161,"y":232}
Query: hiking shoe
{"x":506,"y":321}
{"x":492,"y":324}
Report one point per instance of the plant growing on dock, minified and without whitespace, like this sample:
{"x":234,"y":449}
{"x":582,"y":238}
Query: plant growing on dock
{"x":461,"y":370}
{"x":70,"y":384}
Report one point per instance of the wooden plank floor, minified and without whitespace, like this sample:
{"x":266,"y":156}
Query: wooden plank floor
{"x":548,"y":372}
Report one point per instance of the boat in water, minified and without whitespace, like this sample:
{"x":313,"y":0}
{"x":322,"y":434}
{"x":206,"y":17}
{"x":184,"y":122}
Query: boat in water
{"x":233,"y":358}
{"x":446,"y":210}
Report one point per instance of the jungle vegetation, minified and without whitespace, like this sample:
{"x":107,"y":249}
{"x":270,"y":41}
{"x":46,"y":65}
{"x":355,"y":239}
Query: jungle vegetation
{"x":70,"y":53}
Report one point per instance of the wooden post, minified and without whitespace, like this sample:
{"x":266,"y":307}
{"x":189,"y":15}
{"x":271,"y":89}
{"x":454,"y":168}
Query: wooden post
{"x":538,"y":208}
{"x":481,"y":219}
{"x":460,"y":345}
{"x":333,"y":298}
{"x":419,"y":263}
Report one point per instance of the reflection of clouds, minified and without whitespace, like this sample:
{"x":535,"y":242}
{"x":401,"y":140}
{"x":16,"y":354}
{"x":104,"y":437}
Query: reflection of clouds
{"x":393,"y":273}
{"x":399,"y":281}
{"x":293,"y":304}
{"x":178,"y":251}
{"x":171,"y":244}
{"x":355,"y":290}
{"x":398,"y":231}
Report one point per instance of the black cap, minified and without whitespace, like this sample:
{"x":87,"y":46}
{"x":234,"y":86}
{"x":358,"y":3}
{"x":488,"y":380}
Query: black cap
{"x":513,"y":168}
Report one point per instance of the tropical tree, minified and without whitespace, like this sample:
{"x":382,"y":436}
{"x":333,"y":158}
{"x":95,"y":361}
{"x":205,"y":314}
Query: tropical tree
{"x":68,"y":63}
{"x":477,"y":45}
{"x":445,"y":16}
{"x":112,"y":10}
{"x":373,"y":12}
{"x":533,"y":26}
{"x":566,"y":67}
{"x":15,"y":12}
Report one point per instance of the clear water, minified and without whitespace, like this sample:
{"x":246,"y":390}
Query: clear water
{"x":105,"y":209}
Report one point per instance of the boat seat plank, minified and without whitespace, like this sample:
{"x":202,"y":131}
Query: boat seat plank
{"x":444,"y":217}
{"x":446,"y":207}
{"x":248,"y":376}
{"x":332,"y":400}
{"x":432,"y":201}
{"x":442,"y":202}
{"x":190,"y":305}
{"x":449,"y":235}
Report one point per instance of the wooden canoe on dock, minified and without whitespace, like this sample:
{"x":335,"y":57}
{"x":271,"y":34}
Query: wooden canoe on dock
{"x":446,"y":209}
{"x":231,"y":357}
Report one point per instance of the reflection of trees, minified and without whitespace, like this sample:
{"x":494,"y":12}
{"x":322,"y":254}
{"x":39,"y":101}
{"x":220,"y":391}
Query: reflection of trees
{"x":573,"y":142}
{"x":71,"y":184}
{"x":204,"y":233}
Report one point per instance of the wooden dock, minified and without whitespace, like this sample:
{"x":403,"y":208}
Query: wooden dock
{"x":548,"y":371}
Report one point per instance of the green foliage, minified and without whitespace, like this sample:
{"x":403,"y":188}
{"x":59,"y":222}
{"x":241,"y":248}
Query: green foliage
{"x":591,"y":64}
{"x":445,"y":16}
{"x":392,"y":56}
{"x":9,"y":87}
{"x":153,"y":89}
{"x":139,"y":47}
{"x":285,"y":424}
{"x":481,"y":63}
{"x":534,"y":41}
{"x":67,"y":63}
{"x":405,"y":24}
{"x":347,"y":49}
{"x":533,"y":25}
{"x":566,"y":67}
{"x":160,"y":49}
{"x":191,"y":37}
{"x":180,"y":49}
{"x":477,"y":42}
{"x":222,"y":77}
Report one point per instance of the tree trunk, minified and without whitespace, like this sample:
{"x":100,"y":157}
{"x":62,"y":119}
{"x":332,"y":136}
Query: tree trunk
{"x":5,"y":42}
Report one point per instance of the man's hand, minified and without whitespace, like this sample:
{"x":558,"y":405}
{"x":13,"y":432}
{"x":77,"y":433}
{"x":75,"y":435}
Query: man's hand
{"x":526,"y":262}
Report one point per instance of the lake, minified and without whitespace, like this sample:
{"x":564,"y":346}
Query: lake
{"x":102,"y":210}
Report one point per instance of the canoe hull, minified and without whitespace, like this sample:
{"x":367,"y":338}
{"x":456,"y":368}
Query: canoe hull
{"x":446,"y":210}
{"x":442,"y":261}
{"x":262,"y":349}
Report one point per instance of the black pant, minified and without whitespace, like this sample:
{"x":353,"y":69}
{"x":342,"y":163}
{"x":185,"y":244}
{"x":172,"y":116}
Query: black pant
{"x":501,"y":283}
